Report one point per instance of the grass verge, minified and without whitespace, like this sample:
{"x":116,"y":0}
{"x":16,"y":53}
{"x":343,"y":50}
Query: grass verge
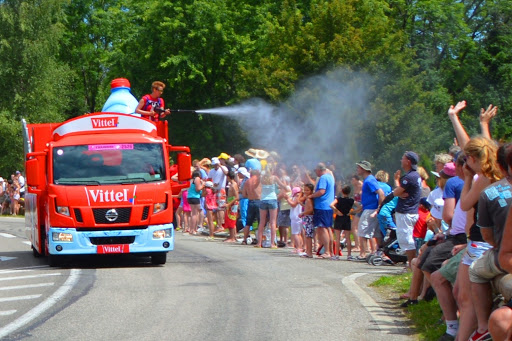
{"x":426,"y":316}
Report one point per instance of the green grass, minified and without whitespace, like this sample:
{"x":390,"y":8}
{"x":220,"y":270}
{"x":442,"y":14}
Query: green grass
{"x":425,"y":316}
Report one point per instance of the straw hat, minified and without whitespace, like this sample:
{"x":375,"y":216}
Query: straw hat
{"x":261,"y":154}
{"x":251,"y":152}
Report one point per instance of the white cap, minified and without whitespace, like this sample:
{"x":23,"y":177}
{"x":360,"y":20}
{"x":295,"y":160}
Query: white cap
{"x":215,"y":161}
{"x":1,"y":179}
{"x":244,"y":172}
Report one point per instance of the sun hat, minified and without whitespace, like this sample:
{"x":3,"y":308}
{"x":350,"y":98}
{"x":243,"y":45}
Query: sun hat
{"x":251,"y":152}
{"x":224,"y":156}
{"x":208,"y":184}
{"x":205,"y":161}
{"x":261,"y":154}
{"x":295,"y":190}
{"x":365,"y":165}
{"x":448,"y":170}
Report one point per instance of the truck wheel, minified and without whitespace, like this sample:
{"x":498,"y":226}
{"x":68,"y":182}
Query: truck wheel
{"x":54,"y":261}
{"x":36,"y":253}
{"x":159,"y":258}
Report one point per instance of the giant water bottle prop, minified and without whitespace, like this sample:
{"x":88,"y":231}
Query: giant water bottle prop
{"x":121,"y":99}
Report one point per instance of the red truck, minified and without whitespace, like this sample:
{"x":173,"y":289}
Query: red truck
{"x":101,"y":184}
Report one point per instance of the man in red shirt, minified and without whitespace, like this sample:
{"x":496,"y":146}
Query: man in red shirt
{"x":149,"y":104}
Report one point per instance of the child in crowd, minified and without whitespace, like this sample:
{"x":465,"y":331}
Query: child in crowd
{"x":211,"y":206}
{"x":186,"y":211}
{"x":295,"y":210}
{"x":341,"y":206}
{"x":307,"y":220}
{"x":231,"y":208}
{"x":420,"y":228}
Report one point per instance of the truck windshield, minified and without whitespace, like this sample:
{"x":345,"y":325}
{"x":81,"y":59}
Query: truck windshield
{"x":108,"y":164}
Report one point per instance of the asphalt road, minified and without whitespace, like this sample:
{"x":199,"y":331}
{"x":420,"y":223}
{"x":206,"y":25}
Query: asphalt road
{"x":208,"y":290}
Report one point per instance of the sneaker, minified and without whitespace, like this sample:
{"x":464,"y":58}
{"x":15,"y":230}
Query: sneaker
{"x":446,"y":337}
{"x":351,"y":258}
{"x":476,"y":336}
{"x":408,"y":303}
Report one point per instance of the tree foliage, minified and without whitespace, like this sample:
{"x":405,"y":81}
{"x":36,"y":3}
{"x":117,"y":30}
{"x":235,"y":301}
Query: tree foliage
{"x":57,"y":58}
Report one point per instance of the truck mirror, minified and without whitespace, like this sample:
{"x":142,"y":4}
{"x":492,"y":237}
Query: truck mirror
{"x":33,"y":173}
{"x":184,"y":166}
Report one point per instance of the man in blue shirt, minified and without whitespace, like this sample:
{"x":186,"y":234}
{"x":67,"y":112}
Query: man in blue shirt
{"x":372,"y":195}
{"x":322,"y":216}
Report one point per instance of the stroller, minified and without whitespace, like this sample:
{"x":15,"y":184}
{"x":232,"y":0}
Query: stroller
{"x":391,"y":249}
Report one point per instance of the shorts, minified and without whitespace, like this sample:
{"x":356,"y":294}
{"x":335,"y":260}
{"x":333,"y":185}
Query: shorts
{"x":322,"y":218}
{"x":253,"y":212}
{"x":231,"y":216}
{"x":474,"y":251}
{"x":434,"y":258}
{"x":484,"y":269}
{"x":367,"y":225}
{"x":283,"y":218}
{"x":450,"y":269}
{"x":268,"y":204}
{"x":503,"y":285}
{"x":342,"y":223}
{"x":193,"y":201}
{"x":404,"y":228}
{"x":307,"y":225}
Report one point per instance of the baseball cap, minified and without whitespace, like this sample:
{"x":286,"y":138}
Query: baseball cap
{"x":18,"y":172}
{"x":1,"y":179}
{"x":215,"y":161}
{"x":223,"y":156}
{"x":295,"y":190}
{"x":208,"y":184}
{"x":448,"y":170}
{"x":414,"y":158}
{"x":365,"y":165}
{"x":244,"y":172}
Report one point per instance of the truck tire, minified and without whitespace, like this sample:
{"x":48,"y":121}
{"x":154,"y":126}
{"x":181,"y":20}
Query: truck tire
{"x":36,"y":253}
{"x":159,"y":258}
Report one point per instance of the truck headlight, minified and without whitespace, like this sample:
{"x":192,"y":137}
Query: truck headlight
{"x":62,"y":237}
{"x":64,"y":210}
{"x":161,"y":234}
{"x":159,"y":207}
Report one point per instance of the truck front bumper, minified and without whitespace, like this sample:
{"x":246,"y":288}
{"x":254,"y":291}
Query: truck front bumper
{"x":69,"y":241}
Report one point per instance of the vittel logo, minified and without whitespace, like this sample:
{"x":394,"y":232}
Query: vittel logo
{"x":105,"y":122}
{"x":100,"y":195}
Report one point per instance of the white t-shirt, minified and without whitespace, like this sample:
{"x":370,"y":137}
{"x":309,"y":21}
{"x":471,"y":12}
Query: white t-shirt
{"x":458,"y":220}
{"x":21,"y":180}
{"x":218,"y":177}
{"x":435,"y":198}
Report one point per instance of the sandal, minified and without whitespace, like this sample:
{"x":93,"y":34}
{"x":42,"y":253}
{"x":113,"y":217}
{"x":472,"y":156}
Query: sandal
{"x":323,"y":256}
{"x":306,"y":256}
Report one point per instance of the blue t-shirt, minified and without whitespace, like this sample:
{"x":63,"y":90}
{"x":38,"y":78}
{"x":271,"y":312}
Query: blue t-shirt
{"x":411,"y":182}
{"x":323,"y":202}
{"x":453,"y":188}
{"x":204,"y":176}
{"x":385,"y":188}
{"x":369,"y":196}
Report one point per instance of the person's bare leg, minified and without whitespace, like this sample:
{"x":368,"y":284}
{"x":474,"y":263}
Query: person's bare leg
{"x":211,"y":226}
{"x":500,"y":324}
{"x":362,"y":247}
{"x":273,"y":227}
{"x":410,"y":255}
{"x":462,"y":293}
{"x":337,"y":239}
{"x":445,"y":297}
{"x":261,"y":226}
{"x":417,"y":280}
{"x":355,"y":224}
{"x":481,"y":295}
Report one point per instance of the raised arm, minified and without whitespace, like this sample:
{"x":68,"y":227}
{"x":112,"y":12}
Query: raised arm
{"x":460,"y":132}
{"x":485,"y":117}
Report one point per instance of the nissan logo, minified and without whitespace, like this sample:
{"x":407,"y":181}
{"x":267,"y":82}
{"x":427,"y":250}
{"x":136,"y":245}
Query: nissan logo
{"x":111,"y":215}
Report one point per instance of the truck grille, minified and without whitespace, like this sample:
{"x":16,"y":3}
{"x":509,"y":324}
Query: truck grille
{"x":112,"y":240}
{"x":145,"y":213}
{"x":78,"y":215}
{"x":123,"y":215}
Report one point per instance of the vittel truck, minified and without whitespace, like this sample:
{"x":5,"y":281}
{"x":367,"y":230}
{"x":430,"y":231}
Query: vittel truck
{"x":101,"y":184}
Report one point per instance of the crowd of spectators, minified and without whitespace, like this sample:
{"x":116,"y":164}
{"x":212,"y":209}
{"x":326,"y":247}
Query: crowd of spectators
{"x":12,"y":194}
{"x":456,"y":237}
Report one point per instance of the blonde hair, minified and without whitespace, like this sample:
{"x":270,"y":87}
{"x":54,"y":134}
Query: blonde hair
{"x":443,"y":158}
{"x":423,"y":173}
{"x":382,"y":176}
{"x":484,"y":151}
{"x":157,"y":84}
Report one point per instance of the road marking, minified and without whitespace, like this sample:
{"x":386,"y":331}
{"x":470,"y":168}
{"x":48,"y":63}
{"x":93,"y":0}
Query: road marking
{"x":3,"y":258}
{"x":30,"y":276}
{"x":7,"y":235}
{"x":19,"y":298}
{"x":378,"y":314}
{"x":13,"y":271}
{"x":27,"y":286}
{"x":7,"y":312}
{"x":43,"y":306}
{"x":27,"y":242}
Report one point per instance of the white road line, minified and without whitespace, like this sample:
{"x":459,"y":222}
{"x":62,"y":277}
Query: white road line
{"x":13,"y":271}
{"x":19,"y":298}
{"x":27,"y":242}
{"x":7,"y":312}
{"x":378,"y":314}
{"x":43,"y":306}
{"x":26,"y":267}
{"x":7,"y":235}
{"x":27,"y":286}
{"x":29,"y":276}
